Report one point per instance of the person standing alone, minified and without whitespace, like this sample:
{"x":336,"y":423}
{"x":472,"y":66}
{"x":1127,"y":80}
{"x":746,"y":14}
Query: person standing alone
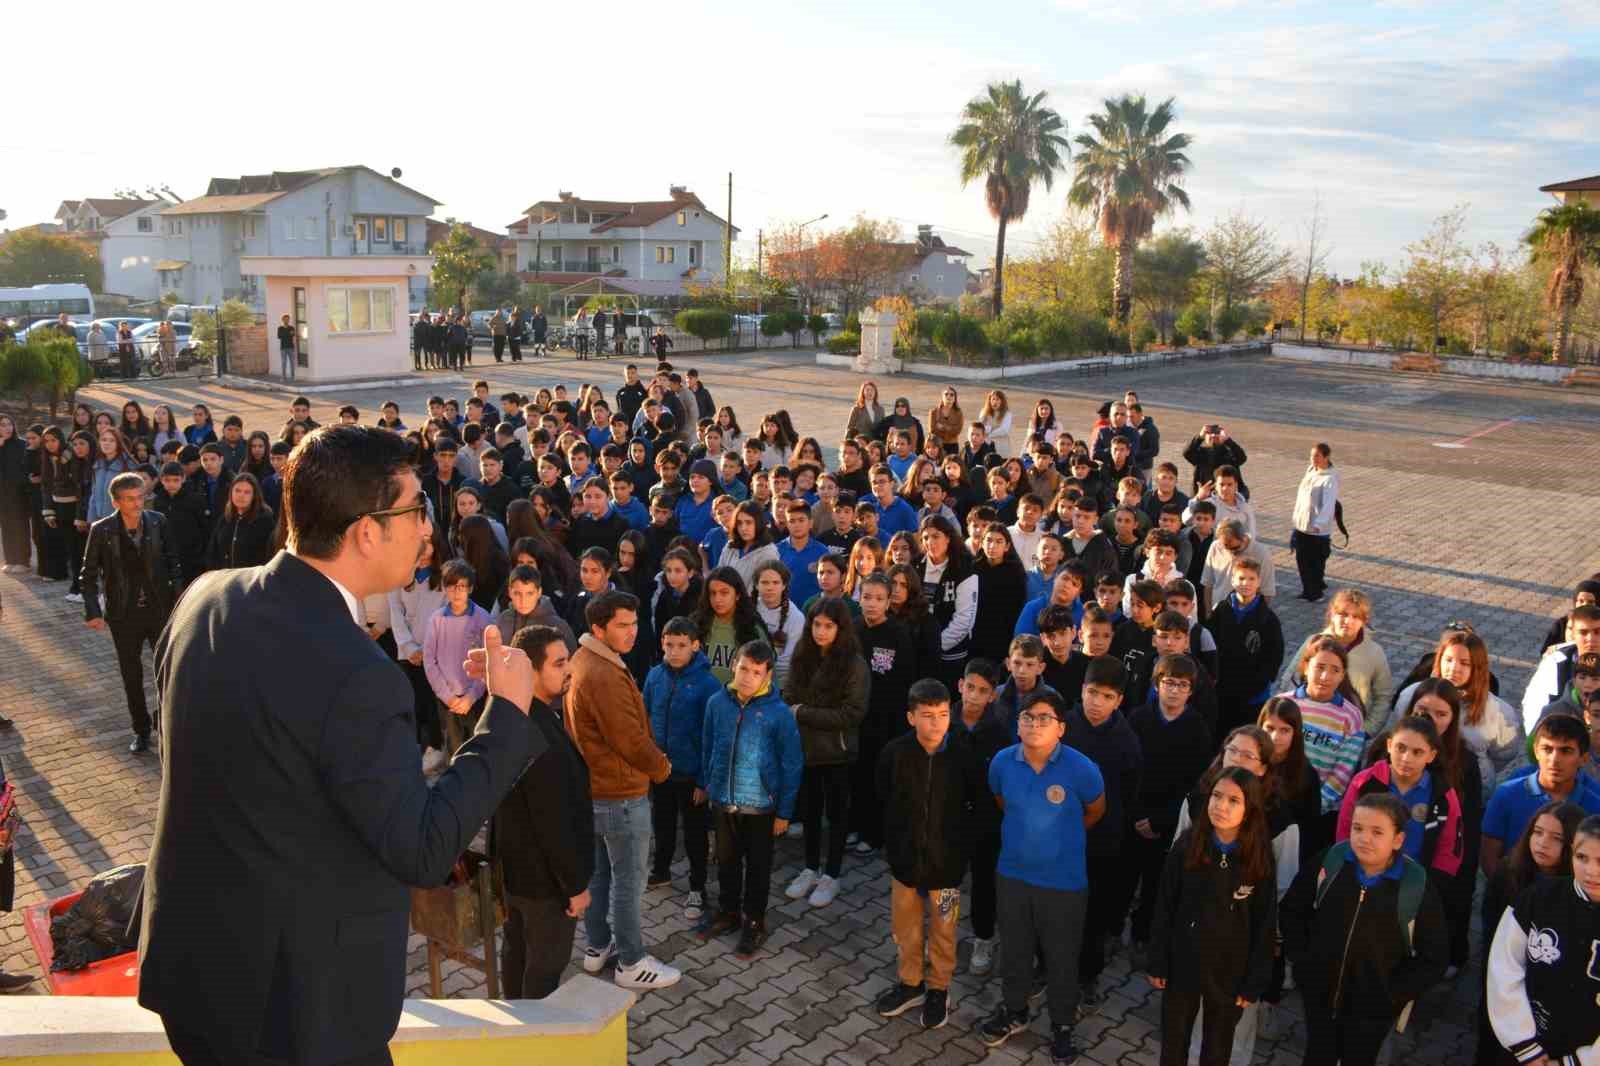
{"x":286,"y":348}
{"x":1315,"y":510}
{"x":134,"y":551}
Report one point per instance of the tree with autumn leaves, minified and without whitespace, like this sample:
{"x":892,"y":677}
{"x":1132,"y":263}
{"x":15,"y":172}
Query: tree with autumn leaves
{"x":848,"y":267}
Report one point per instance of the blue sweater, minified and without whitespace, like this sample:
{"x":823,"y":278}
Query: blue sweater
{"x":676,"y":701}
{"x":694,"y":519}
{"x":751,"y":754}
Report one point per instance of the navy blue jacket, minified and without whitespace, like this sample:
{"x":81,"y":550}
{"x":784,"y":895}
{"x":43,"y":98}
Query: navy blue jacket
{"x":676,"y":701}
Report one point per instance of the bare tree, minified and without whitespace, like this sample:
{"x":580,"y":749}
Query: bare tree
{"x":1315,"y":259}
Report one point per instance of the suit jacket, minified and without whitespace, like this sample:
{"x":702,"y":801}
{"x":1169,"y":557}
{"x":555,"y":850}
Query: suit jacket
{"x":102,"y":554}
{"x":293,"y":817}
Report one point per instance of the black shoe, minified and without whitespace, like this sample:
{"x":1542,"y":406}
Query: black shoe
{"x":901,"y":998}
{"x":655,"y":881}
{"x":1000,"y":1025}
{"x":14,"y":982}
{"x":750,"y":939}
{"x":6,"y":723}
{"x":717,"y":924}
{"x":936,"y":1008}
{"x":140,"y":745}
{"x":1089,"y":993}
{"x":1062,"y":1048}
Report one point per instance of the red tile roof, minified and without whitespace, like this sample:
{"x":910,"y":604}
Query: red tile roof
{"x":629,"y":214}
{"x":1590,"y":184}
{"x":116,"y":208}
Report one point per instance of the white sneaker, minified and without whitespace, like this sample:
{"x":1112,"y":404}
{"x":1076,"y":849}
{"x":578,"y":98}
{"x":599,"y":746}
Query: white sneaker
{"x":803,"y":883}
{"x":649,"y":973}
{"x":695,"y":906}
{"x":982,"y":956}
{"x":863,"y":848}
{"x":74,"y":597}
{"x":595,"y":959}
{"x":850,"y":839}
{"x":827,"y":888}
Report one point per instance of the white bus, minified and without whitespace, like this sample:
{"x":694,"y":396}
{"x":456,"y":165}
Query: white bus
{"x":19,"y":307}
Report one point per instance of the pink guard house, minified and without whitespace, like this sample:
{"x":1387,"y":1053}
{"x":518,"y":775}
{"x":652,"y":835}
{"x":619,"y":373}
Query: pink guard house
{"x":350,"y":313}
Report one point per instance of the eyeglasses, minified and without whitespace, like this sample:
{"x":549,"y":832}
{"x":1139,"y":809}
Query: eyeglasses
{"x":391,"y":512}
{"x":1174,"y":683}
{"x":1243,"y":754}
{"x":1040,"y":720}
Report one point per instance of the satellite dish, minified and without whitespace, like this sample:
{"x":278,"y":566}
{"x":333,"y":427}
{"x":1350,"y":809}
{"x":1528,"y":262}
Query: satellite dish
{"x":395,"y":173}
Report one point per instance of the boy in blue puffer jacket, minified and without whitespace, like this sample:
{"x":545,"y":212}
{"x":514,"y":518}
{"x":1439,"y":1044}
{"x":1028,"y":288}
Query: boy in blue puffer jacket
{"x":750,"y":771}
{"x":675,"y":694}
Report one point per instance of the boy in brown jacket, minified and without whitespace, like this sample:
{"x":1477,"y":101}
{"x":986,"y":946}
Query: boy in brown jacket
{"x":605,"y":714}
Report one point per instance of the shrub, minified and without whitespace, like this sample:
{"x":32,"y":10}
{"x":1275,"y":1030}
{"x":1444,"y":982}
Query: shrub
{"x":960,"y":337}
{"x":703,"y":323}
{"x":64,"y":371}
{"x":23,"y":370}
{"x":1195,"y":322}
{"x":1229,"y":322}
{"x":852,"y":322}
{"x":927,"y":321}
{"x":845,"y":343}
{"x":772,"y":324}
{"x":1144,"y":337}
{"x":1179,"y":339}
{"x":817,"y":325}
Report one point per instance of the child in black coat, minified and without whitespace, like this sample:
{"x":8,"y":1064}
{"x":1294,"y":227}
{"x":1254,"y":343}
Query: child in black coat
{"x":1215,"y":921}
{"x":1366,"y":934}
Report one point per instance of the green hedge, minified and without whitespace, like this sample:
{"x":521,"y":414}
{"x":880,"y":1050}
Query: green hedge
{"x":844,"y":343}
{"x":704,"y":323}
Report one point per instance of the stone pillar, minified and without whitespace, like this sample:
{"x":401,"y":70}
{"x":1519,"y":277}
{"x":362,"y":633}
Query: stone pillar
{"x":877,"y":343}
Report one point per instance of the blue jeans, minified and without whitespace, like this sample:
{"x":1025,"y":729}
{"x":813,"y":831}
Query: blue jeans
{"x":616,"y":892}
{"x":286,"y":357}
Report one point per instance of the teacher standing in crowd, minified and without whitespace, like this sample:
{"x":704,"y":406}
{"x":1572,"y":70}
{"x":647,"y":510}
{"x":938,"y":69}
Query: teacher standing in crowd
{"x":293,"y":813}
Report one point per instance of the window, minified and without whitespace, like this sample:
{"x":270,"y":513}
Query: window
{"x":399,"y":228}
{"x":352,"y":310}
{"x":380,"y":230}
{"x":666,"y":253}
{"x":361,"y":230}
{"x":311,"y":228}
{"x":288,"y":229}
{"x":683,"y":218}
{"x":616,"y":253}
{"x":555,"y":255}
{"x":915,"y":278}
{"x":144,"y":224}
{"x":694,"y":254}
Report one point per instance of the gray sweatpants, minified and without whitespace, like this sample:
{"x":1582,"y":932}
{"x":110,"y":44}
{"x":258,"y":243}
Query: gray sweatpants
{"x":1047,"y":921}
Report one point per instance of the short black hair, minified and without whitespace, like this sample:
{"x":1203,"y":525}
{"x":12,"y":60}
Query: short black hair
{"x":1055,"y":618}
{"x":605,"y":606}
{"x":1106,"y":671}
{"x":1048,"y":697}
{"x":535,"y":641}
{"x":927,"y":692}
{"x":681,"y":626}
{"x":1564,"y":727}
{"x":336,"y":473}
{"x":211,"y":448}
{"x":757,"y":651}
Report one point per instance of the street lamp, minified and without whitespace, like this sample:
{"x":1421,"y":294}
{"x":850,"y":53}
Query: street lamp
{"x":800,"y":229}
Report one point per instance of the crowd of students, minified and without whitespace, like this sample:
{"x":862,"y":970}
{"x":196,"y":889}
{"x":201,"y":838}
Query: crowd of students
{"x":1045,"y":672}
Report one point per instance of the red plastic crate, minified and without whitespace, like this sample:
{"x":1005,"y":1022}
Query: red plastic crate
{"x":116,"y":976}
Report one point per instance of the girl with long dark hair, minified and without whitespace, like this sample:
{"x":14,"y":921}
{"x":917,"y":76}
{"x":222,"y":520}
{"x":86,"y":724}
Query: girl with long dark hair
{"x":827,"y":691}
{"x":243,"y":536}
{"x":1002,"y":591}
{"x":1215,"y":921}
{"x":478,"y":544}
{"x":726,"y":618}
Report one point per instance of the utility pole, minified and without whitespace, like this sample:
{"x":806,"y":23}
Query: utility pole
{"x":760,"y":248}
{"x":727,"y":239}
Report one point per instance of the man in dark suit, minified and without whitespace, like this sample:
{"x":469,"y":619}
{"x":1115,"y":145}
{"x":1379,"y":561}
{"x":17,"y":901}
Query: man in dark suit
{"x":293,"y":813}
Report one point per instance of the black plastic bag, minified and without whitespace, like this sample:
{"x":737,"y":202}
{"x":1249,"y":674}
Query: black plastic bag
{"x":100,"y":924}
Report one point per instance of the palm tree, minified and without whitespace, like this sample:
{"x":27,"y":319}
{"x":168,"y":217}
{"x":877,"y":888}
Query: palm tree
{"x":1567,"y":238}
{"x":1130,"y":173}
{"x":1011,"y":141}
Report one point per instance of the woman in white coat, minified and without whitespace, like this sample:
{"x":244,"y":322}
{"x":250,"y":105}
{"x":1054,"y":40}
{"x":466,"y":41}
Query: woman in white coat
{"x":1314,"y":508}
{"x":996,"y":419}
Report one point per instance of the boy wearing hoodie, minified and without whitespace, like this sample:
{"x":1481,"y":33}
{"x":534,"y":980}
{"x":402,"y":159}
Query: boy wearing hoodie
{"x":531,"y":607}
{"x":676,"y":692}
{"x":627,"y":503}
{"x":750,"y":769}
{"x":600,"y":526}
{"x":1249,"y":648}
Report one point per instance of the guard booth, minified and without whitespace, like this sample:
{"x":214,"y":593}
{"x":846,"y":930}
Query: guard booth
{"x":350,"y":313}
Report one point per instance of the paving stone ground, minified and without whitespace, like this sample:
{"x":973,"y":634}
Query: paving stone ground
{"x":1494,"y":532}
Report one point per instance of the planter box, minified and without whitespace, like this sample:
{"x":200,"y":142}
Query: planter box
{"x":1465,"y":366}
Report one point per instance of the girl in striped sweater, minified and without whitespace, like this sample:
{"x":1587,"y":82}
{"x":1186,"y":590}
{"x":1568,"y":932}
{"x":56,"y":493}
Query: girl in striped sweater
{"x":1332,"y":723}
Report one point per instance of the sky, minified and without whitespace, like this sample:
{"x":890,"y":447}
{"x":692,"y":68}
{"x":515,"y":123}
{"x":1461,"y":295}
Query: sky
{"x":1388,"y":113}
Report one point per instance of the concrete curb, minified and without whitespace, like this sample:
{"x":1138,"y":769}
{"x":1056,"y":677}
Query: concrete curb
{"x":1085,"y":364}
{"x":1455,"y":365}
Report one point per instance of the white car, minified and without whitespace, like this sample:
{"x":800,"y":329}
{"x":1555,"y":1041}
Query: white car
{"x":147,"y":342}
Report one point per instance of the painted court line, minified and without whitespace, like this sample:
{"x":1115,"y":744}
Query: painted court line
{"x":1462,"y":443}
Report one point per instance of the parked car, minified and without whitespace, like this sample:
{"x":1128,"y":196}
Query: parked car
{"x":186,"y":312}
{"x":147,"y":344}
{"x":478,"y":322}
